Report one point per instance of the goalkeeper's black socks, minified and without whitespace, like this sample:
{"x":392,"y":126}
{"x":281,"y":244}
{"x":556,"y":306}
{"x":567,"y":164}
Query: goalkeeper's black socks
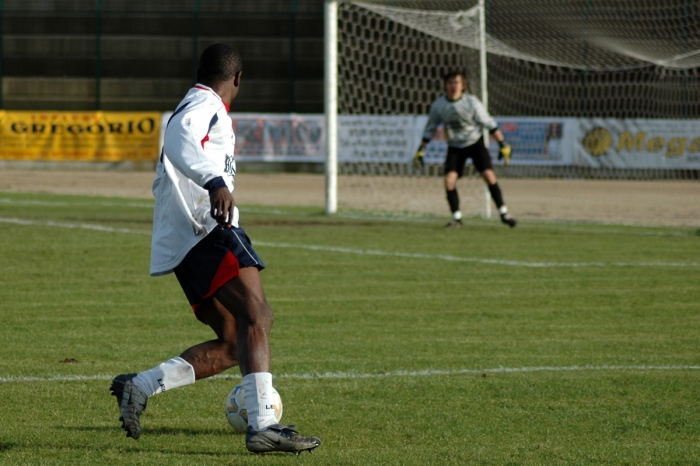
{"x":502,"y":209}
{"x":496,"y":195}
{"x":453,"y":200}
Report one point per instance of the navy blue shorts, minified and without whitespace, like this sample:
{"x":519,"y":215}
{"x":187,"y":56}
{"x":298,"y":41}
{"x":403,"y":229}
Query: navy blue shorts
{"x":215,"y":260}
{"x":457,"y":157}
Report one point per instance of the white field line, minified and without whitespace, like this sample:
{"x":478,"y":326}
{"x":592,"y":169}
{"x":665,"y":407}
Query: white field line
{"x":82,"y":226}
{"x":382,"y":375}
{"x":372,"y":252}
{"x":5,"y":200}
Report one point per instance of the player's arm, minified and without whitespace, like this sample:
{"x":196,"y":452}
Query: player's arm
{"x":184,"y":148}
{"x":428,"y":133}
{"x":482,"y":117}
{"x":505,"y":149}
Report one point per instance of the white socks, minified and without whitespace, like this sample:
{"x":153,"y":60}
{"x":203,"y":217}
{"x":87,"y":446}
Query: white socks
{"x":177,"y":372}
{"x":258,"y":399}
{"x":503,"y":210}
{"x":457,"y":215}
{"x":173,"y":373}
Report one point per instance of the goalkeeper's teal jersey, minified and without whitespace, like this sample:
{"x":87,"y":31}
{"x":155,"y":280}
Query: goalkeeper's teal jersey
{"x":464,"y":119}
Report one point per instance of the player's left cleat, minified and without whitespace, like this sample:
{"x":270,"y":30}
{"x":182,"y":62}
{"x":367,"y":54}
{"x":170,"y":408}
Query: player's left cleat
{"x":454,"y":223}
{"x":279,"y":437}
{"x":132,"y":402}
{"x":508,"y":220}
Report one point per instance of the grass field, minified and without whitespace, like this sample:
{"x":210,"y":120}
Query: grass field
{"x":395,"y":341}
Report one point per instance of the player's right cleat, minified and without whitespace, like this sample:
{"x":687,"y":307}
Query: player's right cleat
{"x":279,"y":437}
{"x":132,"y":402}
{"x":508,"y":220}
{"x":454,"y":224}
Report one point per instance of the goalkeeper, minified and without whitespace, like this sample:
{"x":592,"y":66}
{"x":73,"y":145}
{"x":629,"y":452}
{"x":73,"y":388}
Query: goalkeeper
{"x":464,"y":118}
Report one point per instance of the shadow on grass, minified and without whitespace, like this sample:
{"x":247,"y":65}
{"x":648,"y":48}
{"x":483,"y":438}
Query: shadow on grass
{"x":134,"y":447}
{"x":5,"y":446}
{"x":153,"y":431}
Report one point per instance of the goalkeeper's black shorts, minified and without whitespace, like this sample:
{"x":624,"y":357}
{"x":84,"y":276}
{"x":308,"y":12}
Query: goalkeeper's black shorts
{"x":457,"y":157}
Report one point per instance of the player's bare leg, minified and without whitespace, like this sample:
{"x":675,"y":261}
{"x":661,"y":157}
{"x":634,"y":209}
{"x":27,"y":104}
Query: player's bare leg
{"x":453,"y":199}
{"x":244,"y":297}
{"x":214,"y":356}
{"x":200,"y":361}
{"x":490,"y":178}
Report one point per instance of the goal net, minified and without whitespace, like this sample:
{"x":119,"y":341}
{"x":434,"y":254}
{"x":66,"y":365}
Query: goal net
{"x":388,"y":67}
{"x":545,"y":58}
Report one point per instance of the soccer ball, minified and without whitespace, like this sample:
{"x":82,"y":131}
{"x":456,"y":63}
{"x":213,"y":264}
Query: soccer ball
{"x":237,"y":413}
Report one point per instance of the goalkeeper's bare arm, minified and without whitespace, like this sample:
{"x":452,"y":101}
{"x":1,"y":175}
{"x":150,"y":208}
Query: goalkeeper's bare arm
{"x":465,"y":118}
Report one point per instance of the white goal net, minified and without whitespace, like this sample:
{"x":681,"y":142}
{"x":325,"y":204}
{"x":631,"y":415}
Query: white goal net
{"x":545,"y":58}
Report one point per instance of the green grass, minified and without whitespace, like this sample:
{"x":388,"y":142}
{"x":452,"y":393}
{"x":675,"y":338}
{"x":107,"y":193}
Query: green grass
{"x":612,"y":321}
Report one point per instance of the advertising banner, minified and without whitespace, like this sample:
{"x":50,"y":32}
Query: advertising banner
{"x":287,"y":137}
{"x":637,"y":143}
{"x":372,"y":138}
{"x":79,"y":136}
{"x":537,"y":141}
{"x":275,"y":137}
{"x":540,"y":141}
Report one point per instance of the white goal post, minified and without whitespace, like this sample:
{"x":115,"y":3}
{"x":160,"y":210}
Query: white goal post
{"x":330,"y":102}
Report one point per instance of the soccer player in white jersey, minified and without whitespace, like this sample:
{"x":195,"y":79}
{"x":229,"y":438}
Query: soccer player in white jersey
{"x":196,"y":235}
{"x":464,"y":118}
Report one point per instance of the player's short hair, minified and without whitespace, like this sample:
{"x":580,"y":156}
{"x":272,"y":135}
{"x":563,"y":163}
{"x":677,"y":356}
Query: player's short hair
{"x":454,"y":74}
{"x":219,"y":62}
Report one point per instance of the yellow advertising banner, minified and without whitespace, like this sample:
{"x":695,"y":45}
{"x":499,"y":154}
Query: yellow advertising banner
{"x":79,"y":136}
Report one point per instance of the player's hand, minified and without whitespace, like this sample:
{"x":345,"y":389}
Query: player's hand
{"x":418,"y":159}
{"x":222,"y":205}
{"x":504,"y":153}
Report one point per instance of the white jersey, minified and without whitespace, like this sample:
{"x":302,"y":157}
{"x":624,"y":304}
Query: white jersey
{"x":197,"y":152}
{"x":464,"y":119}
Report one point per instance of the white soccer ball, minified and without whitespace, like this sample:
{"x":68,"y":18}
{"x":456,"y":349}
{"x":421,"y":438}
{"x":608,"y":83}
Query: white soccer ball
{"x":237,"y":413}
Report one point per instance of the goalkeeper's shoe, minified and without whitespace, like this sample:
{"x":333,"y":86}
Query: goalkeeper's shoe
{"x":508,"y":220}
{"x":419,"y":159}
{"x":132,"y":402}
{"x":504,"y":153}
{"x":279,"y":437}
{"x":454,"y":223}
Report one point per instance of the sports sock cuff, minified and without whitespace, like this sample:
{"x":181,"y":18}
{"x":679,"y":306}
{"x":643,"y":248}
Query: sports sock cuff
{"x":503,"y":210}
{"x":173,"y":373}
{"x":259,"y":400}
{"x":457,"y":215}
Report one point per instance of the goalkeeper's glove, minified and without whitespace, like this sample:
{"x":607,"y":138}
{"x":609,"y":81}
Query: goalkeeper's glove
{"x":504,"y":152}
{"x":418,"y":161}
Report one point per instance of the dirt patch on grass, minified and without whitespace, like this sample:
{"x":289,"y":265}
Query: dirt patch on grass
{"x":669,"y":203}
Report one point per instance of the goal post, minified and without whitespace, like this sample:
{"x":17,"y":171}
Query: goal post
{"x":330,"y":103}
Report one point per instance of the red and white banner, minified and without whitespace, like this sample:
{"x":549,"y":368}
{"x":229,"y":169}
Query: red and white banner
{"x":587,"y":142}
